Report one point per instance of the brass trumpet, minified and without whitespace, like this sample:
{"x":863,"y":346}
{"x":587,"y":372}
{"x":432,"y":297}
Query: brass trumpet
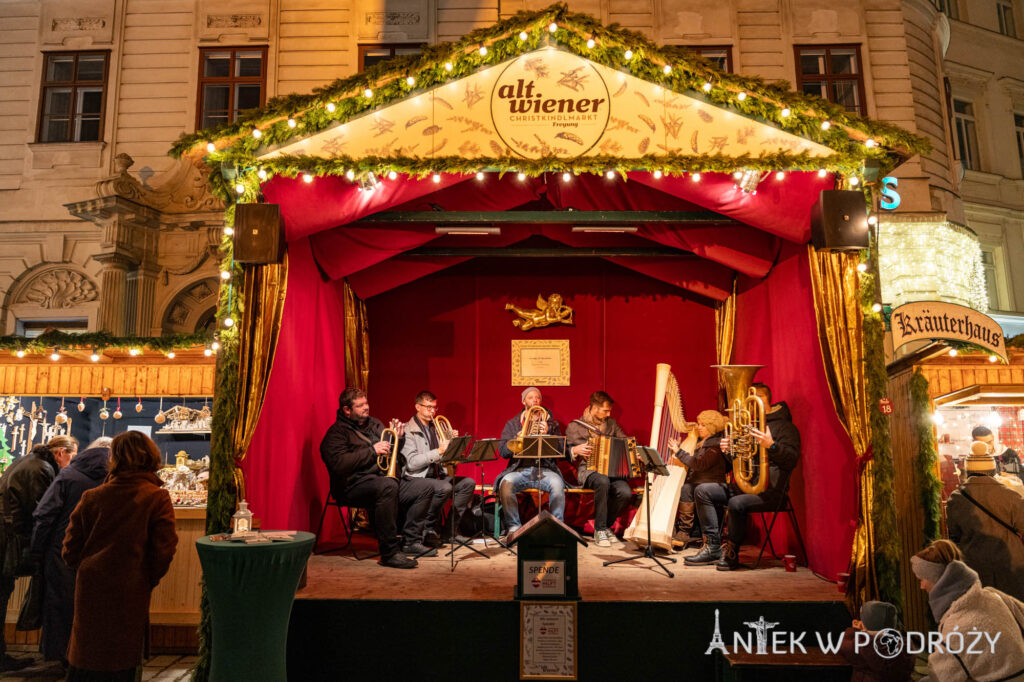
{"x":531,"y":427}
{"x":388,"y":462}
{"x":746,"y":412}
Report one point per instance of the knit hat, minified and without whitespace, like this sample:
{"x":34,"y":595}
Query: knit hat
{"x":527,"y":392}
{"x":979,"y":461}
{"x":878,"y":615}
{"x":927,"y":570}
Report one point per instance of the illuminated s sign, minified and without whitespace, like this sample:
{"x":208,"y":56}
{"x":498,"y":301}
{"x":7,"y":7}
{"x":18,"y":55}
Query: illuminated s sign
{"x":890,"y":197}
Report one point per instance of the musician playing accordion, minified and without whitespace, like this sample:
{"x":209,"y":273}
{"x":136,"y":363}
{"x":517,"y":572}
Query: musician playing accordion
{"x":611,"y":495}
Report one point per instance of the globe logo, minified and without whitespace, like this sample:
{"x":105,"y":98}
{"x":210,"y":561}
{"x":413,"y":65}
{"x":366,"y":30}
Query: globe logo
{"x":888,"y":643}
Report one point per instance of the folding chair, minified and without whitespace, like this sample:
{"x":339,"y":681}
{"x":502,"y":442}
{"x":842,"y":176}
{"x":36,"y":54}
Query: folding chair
{"x":783,"y":505}
{"x":331,"y":502}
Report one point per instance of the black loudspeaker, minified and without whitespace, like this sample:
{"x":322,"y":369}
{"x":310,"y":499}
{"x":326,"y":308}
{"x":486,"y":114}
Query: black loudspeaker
{"x":839,"y":221}
{"x":259,"y":238}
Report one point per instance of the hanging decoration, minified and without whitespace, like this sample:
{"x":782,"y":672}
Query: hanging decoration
{"x":138,"y":405}
{"x":160,"y":418}
{"x":117,"y":411}
{"x":104,"y":412}
{"x":62,"y":414}
{"x":81,"y":404}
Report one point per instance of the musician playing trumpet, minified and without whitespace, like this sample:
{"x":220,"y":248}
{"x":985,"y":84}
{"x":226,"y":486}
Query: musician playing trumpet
{"x":611,"y":495}
{"x":521,"y":474}
{"x":702,"y":456}
{"x":422,"y":448}
{"x":350,"y":449}
{"x":781,"y":439}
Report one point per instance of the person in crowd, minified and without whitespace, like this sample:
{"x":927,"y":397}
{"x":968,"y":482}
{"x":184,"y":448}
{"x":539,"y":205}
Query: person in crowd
{"x":868,"y":664}
{"x":782,"y":441}
{"x":1008,"y":467}
{"x":350,"y":449}
{"x":422,"y":449}
{"x":986,"y":519}
{"x":21,"y":486}
{"x":611,"y":494}
{"x":960,"y":604}
{"x":522,"y":473}
{"x":706,"y":464}
{"x":120,"y":541}
{"x":85,"y":472}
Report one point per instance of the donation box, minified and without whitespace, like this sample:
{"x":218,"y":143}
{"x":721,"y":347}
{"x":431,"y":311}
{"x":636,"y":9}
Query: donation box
{"x":547,"y":559}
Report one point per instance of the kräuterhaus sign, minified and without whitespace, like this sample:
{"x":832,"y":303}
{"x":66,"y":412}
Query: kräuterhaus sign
{"x":938,"y":320}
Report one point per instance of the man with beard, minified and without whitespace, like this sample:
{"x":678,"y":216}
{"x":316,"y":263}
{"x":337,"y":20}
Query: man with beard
{"x":610,"y":495}
{"x":350,"y":449}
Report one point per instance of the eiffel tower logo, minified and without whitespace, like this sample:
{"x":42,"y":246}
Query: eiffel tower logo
{"x":716,"y":640}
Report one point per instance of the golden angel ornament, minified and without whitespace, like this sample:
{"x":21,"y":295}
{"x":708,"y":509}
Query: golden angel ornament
{"x":547,"y":312}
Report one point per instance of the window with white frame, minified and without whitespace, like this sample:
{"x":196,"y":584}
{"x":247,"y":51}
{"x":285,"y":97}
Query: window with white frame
{"x":988,"y":265}
{"x":1018,"y":129}
{"x":1007,"y":26}
{"x":966,"y":131}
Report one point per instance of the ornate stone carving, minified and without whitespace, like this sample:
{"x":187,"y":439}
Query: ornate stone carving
{"x":201,"y":291}
{"x":178,"y":314}
{"x":392,"y":18}
{"x":233,"y":21}
{"x":78,"y":24}
{"x":184,"y":191}
{"x":56,"y":289}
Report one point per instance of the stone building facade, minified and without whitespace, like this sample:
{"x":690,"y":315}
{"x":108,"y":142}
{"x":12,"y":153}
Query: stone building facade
{"x":102,"y":230}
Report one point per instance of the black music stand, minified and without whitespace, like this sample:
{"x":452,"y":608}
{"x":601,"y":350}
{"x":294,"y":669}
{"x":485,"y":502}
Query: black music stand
{"x":650,"y":462}
{"x":483,"y":450}
{"x":541,"y":447}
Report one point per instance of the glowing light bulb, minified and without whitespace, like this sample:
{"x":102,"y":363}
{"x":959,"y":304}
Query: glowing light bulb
{"x":215,"y":345}
{"x":822,"y":173}
{"x":657,"y":175}
{"x":448,"y":66}
{"x":666,"y":69}
{"x":825,"y":125}
{"x":261,"y":174}
{"x":410,"y":81}
{"x":862,"y":267}
{"x":937,"y":419}
{"x":483,"y":51}
{"x":742,"y":96}
{"x":695,"y":177}
{"x":225,"y":274}
{"x":55,"y":356}
{"x":257,"y":133}
{"x":392,"y":175}
{"x":207,"y":352}
{"x":876,"y":307}
{"x":854,"y":181}
{"x":953,"y":352}
{"x":566,"y":177}
{"x":869,"y":143}
{"x":591,"y":43}
{"x":523,"y":35}
{"x":785,"y":112}
{"x":610,"y":174}
{"x":367,"y":93}
{"x":211,"y":147}
{"x":628,"y":55}
{"x":350,"y":175}
{"x":780,"y":175}
{"x":480,"y":176}
{"x":331,"y":107}
{"x":20,"y":353}
{"x":707,"y":87}
{"x":436,"y":178}
{"x":292,"y":123}
{"x":170,"y":355}
{"x":133,"y":351}
{"x":228,"y":322}
{"x":229,"y":231}
{"x":521,"y":176}
{"x":95,"y":357}
{"x":992,"y":358}
{"x":240,"y":188}
{"x":738,"y":174}
{"x":552,"y":27}
{"x":307,"y":178}
{"x":872,"y":220}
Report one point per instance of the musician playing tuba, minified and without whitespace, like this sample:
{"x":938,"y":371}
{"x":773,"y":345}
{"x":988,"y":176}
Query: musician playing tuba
{"x":521,"y":474}
{"x":422,"y":449}
{"x":350,"y":449}
{"x":611,"y":495}
{"x":781,"y":439}
{"x":705,"y":463}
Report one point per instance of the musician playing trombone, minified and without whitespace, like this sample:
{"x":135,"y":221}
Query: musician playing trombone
{"x":782,"y":441}
{"x":611,"y":495}
{"x":350,"y":449}
{"x":521,"y":474}
{"x":422,"y":449}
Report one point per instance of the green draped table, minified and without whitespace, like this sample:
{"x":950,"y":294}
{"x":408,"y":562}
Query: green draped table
{"x":251,"y":589}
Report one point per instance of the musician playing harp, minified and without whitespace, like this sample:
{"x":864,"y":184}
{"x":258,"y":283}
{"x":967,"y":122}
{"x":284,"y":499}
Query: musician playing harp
{"x":781,"y":439}
{"x":521,"y":474}
{"x":705,"y":464}
{"x":611,"y":495}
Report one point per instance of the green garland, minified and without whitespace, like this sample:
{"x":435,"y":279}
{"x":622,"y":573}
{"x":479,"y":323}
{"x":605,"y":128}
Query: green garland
{"x":883,"y":513}
{"x":925,"y":464}
{"x":235,"y":146}
{"x":103,"y":340}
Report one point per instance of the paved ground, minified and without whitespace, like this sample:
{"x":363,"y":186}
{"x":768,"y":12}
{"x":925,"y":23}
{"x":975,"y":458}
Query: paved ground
{"x":156,"y":669}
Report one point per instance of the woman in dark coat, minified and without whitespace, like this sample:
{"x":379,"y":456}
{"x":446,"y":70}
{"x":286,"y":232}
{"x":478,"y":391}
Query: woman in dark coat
{"x":85,"y":472}
{"x":121,"y":540}
{"x":705,"y":464}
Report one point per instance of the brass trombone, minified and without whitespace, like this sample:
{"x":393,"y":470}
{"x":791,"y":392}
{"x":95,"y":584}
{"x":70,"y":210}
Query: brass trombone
{"x":388,"y":462}
{"x":531,"y":427}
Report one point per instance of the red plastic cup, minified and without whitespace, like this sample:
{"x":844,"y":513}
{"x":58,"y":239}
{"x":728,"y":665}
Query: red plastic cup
{"x":790,"y":561}
{"x":844,"y":578}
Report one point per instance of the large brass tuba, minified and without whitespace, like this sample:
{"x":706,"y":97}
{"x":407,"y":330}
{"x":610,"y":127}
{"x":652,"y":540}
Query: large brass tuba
{"x":531,"y":427}
{"x":746,"y":412}
{"x":388,"y":462}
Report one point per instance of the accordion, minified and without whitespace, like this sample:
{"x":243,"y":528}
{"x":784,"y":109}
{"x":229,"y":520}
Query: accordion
{"x":614,"y":457}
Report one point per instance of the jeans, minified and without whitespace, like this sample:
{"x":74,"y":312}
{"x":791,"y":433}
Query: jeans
{"x":708,"y":495}
{"x":610,"y":498}
{"x":516,"y":481}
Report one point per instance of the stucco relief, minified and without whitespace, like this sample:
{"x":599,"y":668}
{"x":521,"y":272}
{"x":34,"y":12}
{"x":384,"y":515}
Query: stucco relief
{"x":188,"y":310}
{"x":58,"y":289}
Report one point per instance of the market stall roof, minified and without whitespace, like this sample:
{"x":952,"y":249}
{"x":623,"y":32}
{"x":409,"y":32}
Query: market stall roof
{"x":983,"y":395}
{"x":634,"y":106}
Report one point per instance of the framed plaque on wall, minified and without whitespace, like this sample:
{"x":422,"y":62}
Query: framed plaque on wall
{"x":540,"y":362}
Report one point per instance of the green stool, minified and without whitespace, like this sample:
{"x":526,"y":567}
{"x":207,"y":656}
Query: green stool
{"x":251,"y":589}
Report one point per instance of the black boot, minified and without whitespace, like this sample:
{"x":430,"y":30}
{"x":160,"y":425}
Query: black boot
{"x":708,"y":554}
{"x":730,"y":558}
{"x":684,"y":526}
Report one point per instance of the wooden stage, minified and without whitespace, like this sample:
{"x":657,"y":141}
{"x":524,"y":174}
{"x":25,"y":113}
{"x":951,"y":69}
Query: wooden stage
{"x":475,"y":578}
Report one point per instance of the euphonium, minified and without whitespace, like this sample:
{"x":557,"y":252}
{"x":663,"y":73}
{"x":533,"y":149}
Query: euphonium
{"x":445,"y":432}
{"x":531,"y":427}
{"x":746,"y":412}
{"x":388,"y":462}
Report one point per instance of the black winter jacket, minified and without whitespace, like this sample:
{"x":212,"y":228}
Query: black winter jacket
{"x":86,"y":471}
{"x":347,"y":450}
